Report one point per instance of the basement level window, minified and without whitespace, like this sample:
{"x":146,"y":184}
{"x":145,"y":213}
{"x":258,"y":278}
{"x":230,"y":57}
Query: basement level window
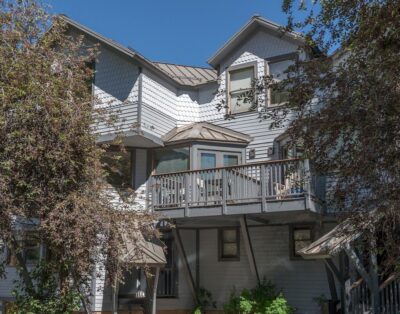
{"x":229,"y":240}
{"x":300,"y":237}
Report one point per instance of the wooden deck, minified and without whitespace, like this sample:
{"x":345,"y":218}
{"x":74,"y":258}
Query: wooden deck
{"x":283,"y":185}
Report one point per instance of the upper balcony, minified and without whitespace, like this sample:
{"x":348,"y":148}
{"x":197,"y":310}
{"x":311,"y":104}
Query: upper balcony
{"x":272,"y":186}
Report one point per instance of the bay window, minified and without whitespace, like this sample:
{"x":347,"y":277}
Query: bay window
{"x":168,"y":160}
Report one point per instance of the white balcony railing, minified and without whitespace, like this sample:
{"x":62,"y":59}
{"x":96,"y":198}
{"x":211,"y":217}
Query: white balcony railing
{"x":250,"y":183}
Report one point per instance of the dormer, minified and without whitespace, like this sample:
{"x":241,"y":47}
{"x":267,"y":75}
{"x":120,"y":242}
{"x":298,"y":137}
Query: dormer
{"x":259,"y":48}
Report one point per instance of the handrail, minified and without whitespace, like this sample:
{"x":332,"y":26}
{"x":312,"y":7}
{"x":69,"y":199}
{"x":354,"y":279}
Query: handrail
{"x":388,"y":281}
{"x":229,"y":167}
{"x":382,"y":286}
{"x":253,"y":182}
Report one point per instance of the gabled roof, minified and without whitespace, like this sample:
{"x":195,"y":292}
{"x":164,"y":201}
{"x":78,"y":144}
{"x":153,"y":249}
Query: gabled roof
{"x":182,"y":75}
{"x":205,"y":132}
{"x":187,"y":75}
{"x":255,"y":23}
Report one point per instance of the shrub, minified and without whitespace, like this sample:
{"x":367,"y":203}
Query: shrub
{"x":263,"y":299}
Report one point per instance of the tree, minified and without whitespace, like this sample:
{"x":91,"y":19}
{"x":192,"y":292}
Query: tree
{"x":52,"y":180}
{"x":344,"y":108}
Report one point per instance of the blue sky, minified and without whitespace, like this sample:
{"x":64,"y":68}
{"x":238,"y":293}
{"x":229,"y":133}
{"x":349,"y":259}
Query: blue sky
{"x":176,"y":31}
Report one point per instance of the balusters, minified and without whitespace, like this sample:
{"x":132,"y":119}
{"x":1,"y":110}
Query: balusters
{"x":260,"y":182}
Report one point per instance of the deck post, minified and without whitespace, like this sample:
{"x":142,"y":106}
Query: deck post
{"x":224,"y":191}
{"x":115,"y":298}
{"x":187,"y":194}
{"x":308,"y":192}
{"x":154,"y":301}
{"x":249,"y":247}
{"x":153,"y":193}
{"x":263,"y":186}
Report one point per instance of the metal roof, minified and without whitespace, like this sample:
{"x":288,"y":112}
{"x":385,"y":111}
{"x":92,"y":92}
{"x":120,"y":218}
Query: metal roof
{"x":142,"y":252}
{"x":187,"y":75}
{"x":206,"y":132}
{"x":331,"y":243}
{"x":183,"y":75}
{"x":255,"y":23}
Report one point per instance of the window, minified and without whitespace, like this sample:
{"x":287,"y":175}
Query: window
{"x":300,"y":237}
{"x":212,"y":159}
{"x":231,"y":160}
{"x":30,"y":246}
{"x":117,"y":165}
{"x":241,"y":91}
{"x":91,"y":66}
{"x":278,"y":96}
{"x":168,"y":280}
{"x":229,"y":240}
{"x":288,"y":149}
{"x":171,"y":160}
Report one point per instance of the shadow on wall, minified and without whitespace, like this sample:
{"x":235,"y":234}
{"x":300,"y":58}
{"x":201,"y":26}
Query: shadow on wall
{"x":116,"y":75}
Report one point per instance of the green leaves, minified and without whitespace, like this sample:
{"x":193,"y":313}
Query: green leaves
{"x":263,"y":299}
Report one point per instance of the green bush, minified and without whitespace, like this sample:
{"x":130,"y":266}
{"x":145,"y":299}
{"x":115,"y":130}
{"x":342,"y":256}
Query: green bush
{"x":46,"y":298}
{"x":263,"y":299}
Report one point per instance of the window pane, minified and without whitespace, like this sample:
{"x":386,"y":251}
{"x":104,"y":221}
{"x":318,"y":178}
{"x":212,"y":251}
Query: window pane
{"x":31,"y":248}
{"x":208,"y":160}
{"x":241,"y":79}
{"x":229,"y":235}
{"x":230,"y":250}
{"x":302,"y":234}
{"x":171,"y":160}
{"x":277,"y":69}
{"x":32,"y":255}
{"x":118,"y":168}
{"x":279,"y":97}
{"x":241,"y":102}
{"x":231,"y":160}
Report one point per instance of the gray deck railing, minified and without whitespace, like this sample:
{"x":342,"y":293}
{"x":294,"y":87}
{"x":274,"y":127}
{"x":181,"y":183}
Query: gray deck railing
{"x":254,"y":182}
{"x":359,"y":297}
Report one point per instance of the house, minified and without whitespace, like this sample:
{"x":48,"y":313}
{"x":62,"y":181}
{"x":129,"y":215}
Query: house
{"x":242,"y":203}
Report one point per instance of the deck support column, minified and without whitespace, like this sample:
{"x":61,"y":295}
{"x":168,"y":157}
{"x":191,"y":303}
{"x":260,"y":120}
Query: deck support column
{"x":115,"y":298}
{"x":249,"y":247}
{"x":154,"y":301}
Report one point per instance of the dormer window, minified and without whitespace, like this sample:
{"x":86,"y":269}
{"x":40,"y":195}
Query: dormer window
{"x":240,"y":89}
